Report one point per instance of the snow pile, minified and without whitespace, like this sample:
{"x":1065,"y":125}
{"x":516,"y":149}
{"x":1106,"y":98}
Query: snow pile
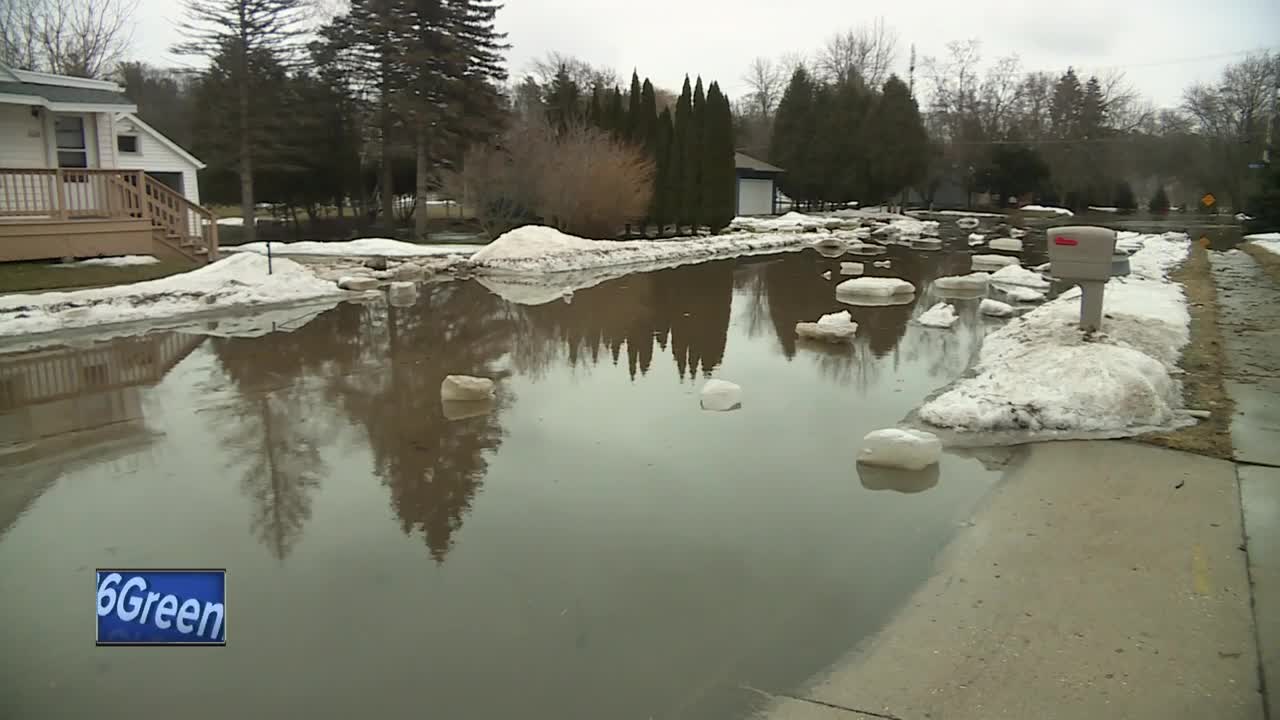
{"x":791,"y":222}
{"x":364,"y":247}
{"x":231,"y":221}
{"x":1269,"y":242}
{"x":1097,"y":208}
{"x":721,"y":395}
{"x":120,"y":261}
{"x":906,"y":449}
{"x":1018,"y":275}
{"x":535,"y":249}
{"x":972,"y":281}
{"x":1006,"y":244}
{"x":1041,"y":373}
{"x":976,"y":238}
{"x":995,"y":308}
{"x":1020,"y":294}
{"x":1047,"y":209}
{"x":965,"y":213}
{"x":239,"y":281}
{"x":877,"y":286}
{"x":942,"y":315}
{"x":836,"y":327}
{"x":992,"y":262}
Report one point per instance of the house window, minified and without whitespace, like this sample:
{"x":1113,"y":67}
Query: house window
{"x":127,"y":143}
{"x":72,"y":151}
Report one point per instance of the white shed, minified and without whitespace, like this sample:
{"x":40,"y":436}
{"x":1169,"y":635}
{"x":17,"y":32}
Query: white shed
{"x":140,"y":146}
{"x":756,"y":189}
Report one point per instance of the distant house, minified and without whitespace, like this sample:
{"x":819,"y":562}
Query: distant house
{"x":756,"y":190}
{"x":81,"y":175}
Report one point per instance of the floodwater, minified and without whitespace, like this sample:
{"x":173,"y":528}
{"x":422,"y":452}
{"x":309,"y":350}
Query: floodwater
{"x":593,"y":546}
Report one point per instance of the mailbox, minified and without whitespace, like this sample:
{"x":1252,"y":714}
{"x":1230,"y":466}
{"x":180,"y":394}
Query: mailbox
{"x":1081,"y":252}
{"x":1085,"y":256}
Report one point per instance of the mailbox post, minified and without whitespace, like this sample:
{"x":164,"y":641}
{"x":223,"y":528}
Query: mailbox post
{"x":1082,"y":254}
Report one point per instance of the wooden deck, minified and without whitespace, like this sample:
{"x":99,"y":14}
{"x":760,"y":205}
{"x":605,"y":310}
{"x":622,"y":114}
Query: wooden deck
{"x":64,"y":213}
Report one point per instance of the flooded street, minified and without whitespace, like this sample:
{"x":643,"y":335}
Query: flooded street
{"x":595,"y":545}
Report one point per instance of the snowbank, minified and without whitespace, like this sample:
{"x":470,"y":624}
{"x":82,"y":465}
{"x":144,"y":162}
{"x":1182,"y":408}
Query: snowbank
{"x":1264,"y":241}
{"x":964,"y":213}
{"x":120,"y":261}
{"x":1097,"y":208}
{"x":373,"y":247}
{"x":942,"y":315}
{"x":791,"y":222}
{"x":1047,"y":209}
{"x":238,"y":281}
{"x":1041,"y":374}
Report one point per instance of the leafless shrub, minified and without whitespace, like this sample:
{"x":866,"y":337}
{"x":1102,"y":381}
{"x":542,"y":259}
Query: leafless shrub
{"x":581,"y":181}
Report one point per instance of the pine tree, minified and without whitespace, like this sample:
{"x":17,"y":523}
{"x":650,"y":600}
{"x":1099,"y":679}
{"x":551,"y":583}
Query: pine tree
{"x":897,"y":143}
{"x":1124,"y":199}
{"x":648,"y":117}
{"x":634,"y":123}
{"x":680,"y":208}
{"x":246,"y":34}
{"x":793,"y":136}
{"x":595,"y":112}
{"x":617,"y":114}
{"x":563,"y":101}
{"x":694,"y":139}
{"x":1159,"y":201}
{"x":661,"y":212}
{"x":718,"y":176}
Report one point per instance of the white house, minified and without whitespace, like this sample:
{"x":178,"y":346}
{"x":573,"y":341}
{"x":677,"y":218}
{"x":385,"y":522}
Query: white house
{"x":50,"y":121}
{"x":82,"y":176}
{"x":756,"y":185}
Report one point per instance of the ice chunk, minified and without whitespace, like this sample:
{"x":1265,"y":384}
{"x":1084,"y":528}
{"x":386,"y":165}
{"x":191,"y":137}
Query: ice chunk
{"x":968,"y":223}
{"x":866,"y":249}
{"x":995,"y":308}
{"x":881,"y":264}
{"x":976,"y":238}
{"x":876,"y":286}
{"x":830,"y":251}
{"x":1047,"y":210}
{"x":874,"y":477}
{"x":826,"y":275}
{"x":942,"y":315}
{"x":1016,"y":275}
{"x":836,"y":327}
{"x":721,"y":395}
{"x":875,"y":300}
{"x":1006,"y":244}
{"x":1041,"y":268}
{"x":1017,"y":233}
{"x":400,"y":287}
{"x":466,"y":387}
{"x":972,"y":281}
{"x":992,"y":262}
{"x":926,"y":243}
{"x":900,"y":448}
{"x":350,"y":282}
{"x":851,"y":268}
{"x":1018,"y":293}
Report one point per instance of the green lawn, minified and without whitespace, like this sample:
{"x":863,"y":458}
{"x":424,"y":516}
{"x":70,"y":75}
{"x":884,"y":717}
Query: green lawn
{"x":41,"y":275}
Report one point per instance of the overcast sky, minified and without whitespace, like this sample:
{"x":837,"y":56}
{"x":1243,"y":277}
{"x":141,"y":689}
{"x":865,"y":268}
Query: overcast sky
{"x":1160,"y":45}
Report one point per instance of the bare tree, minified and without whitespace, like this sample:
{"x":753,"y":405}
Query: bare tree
{"x":866,"y":52}
{"x":583,"y":74}
{"x":1232,"y":117}
{"x":83,"y":38}
{"x":766,"y":80}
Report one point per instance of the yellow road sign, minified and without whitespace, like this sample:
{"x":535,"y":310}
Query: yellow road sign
{"x":1208,"y":199}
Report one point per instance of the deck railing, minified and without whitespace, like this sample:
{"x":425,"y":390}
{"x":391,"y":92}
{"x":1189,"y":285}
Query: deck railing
{"x":92,"y":193}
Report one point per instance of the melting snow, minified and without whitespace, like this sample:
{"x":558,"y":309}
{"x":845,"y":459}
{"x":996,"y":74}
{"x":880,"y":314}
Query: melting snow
{"x":972,"y":281}
{"x":1047,"y":209}
{"x":900,"y":448}
{"x":1018,"y":275}
{"x":876,"y":286}
{"x":120,"y":261}
{"x":942,"y":315}
{"x":373,"y":247}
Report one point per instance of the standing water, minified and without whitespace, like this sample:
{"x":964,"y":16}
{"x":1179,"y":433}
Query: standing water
{"x":595,"y":545}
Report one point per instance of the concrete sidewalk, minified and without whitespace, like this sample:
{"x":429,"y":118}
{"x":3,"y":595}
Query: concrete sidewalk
{"x":1101,"y":580}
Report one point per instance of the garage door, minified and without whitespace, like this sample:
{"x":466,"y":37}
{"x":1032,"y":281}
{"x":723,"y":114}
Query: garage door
{"x":755,"y":197}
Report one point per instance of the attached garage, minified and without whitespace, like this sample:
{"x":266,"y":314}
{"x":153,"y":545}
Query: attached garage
{"x":756,"y":190}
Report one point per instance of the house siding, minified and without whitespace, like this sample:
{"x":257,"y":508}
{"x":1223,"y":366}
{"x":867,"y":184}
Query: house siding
{"x":19,"y":149}
{"x":106,"y":141}
{"x":153,"y":157}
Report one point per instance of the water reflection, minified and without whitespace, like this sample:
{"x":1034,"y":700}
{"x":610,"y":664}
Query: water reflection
{"x":904,"y":481}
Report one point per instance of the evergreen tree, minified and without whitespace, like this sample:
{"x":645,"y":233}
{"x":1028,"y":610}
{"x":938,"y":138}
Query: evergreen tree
{"x":595,"y":111}
{"x":247,"y":36}
{"x":661,"y":212}
{"x":694,"y":139}
{"x":793,"y":136}
{"x":648,"y":117}
{"x":563,"y":101}
{"x":617,"y":114}
{"x":634,"y":123}
{"x":1124,"y":199}
{"x":679,"y":209}
{"x":718,"y":161}
{"x":898,"y":144}
{"x":1159,"y":201}
{"x":1264,"y":205}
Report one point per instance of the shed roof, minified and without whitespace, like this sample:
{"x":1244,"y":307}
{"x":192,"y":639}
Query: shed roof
{"x":743,"y":161}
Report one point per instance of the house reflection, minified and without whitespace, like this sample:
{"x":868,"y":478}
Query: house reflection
{"x":64,"y":405}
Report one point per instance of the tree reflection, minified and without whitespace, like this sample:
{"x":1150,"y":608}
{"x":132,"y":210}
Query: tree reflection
{"x":432,"y":466}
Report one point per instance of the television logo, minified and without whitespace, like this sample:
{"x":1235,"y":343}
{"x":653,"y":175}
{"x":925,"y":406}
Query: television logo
{"x":162,"y":607}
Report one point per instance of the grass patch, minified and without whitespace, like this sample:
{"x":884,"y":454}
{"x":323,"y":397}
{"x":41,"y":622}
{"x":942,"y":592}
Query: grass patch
{"x":38,"y":275}
{"x":1269,"y":261}
{"x":1203,"y":361}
